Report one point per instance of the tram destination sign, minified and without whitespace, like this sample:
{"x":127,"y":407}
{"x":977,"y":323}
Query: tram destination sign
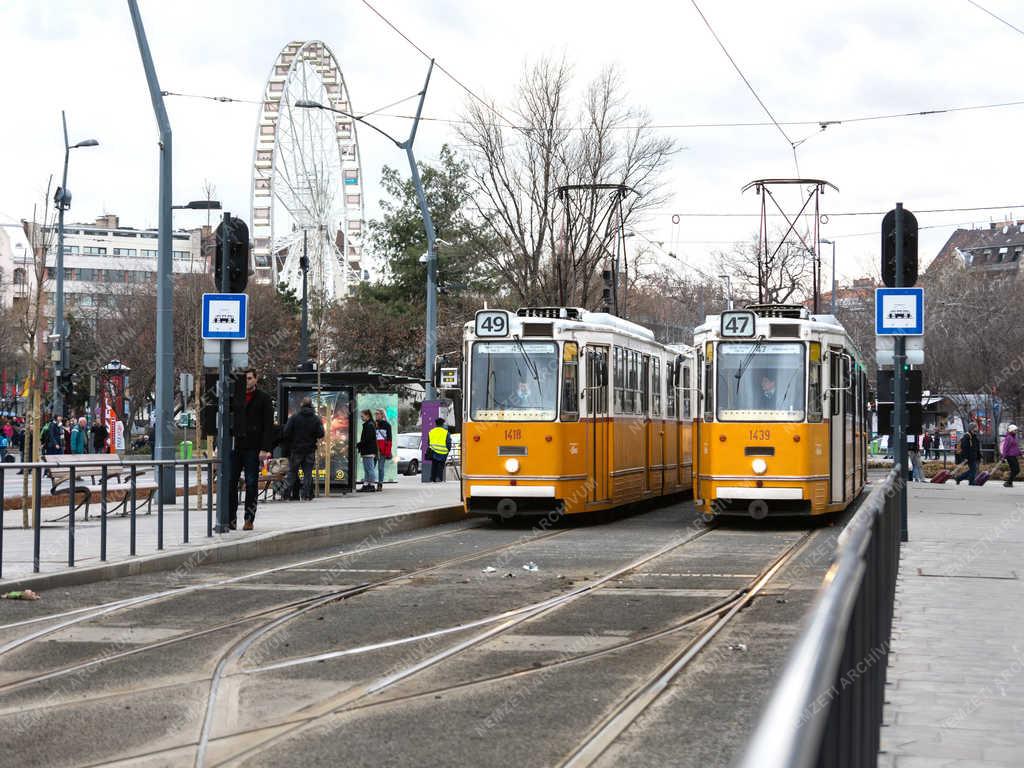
{"x":738,"y":324}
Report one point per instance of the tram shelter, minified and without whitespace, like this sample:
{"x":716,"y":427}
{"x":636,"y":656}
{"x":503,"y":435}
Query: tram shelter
{"x":338,"y":397}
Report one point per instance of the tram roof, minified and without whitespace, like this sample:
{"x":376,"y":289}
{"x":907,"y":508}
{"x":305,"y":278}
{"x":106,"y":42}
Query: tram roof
{"x":712,"y":323}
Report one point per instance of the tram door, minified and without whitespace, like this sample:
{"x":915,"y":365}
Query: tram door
{"x":598,"y":428}
{"x":837,"y":425}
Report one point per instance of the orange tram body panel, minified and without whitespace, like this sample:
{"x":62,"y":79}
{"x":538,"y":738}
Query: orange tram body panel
{"x":569,"y":411}
{"x":784,"y":420}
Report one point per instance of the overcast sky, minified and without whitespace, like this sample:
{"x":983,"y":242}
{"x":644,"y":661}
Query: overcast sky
{"x":808,"y":61}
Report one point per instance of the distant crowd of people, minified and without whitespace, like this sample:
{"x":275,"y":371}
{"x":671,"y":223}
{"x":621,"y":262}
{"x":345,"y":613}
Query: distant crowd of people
{"x":72,"y":436}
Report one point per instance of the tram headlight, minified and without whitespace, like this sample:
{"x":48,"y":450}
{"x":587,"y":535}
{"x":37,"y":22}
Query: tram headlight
{"x":760,"y":466}
{"x":511,"y":466}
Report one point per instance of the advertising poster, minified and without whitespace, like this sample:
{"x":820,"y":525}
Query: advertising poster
{"x":389,"y":404}
{"x":333,"y":409}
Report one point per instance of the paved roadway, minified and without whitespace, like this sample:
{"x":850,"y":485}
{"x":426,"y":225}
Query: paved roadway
{"x":452,"y":654}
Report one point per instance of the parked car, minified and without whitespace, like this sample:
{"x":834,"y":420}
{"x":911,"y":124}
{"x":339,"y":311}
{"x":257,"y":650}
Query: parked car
{"x":408,"y":453}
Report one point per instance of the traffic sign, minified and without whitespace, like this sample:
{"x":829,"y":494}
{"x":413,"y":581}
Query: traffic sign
{"x":909,"y":249}
{"x":885,"y":350}
{"x":899,"y":311}
{"x":224,"y":315}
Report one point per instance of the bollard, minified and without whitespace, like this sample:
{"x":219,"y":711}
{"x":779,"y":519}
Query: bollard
{"x":71,"y":520}
{"x":103,"y":513}
{"x":184,"y":497}
{"x":3,"y":475}
{"x":37,"y":490}
{"x":158,"y":471}
{"x":131,"y":533}
{"x":209,"y":499}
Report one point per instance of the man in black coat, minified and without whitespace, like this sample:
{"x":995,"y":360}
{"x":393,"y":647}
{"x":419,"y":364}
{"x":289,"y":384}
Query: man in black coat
{"x":302,"y":432}
{"x":253,"y":440}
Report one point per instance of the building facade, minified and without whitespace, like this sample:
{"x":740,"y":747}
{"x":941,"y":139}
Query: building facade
{"x":103,"y":261}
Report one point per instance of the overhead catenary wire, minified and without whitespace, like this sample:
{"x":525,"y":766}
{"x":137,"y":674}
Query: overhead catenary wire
{"x":710,"y":215}
{"x":996,"y":17}
{"x":748,"y":84}
{"x":488,"y":106}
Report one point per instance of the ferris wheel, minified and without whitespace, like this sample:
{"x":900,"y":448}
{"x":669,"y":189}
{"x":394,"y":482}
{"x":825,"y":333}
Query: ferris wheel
{"x":306,"y":178}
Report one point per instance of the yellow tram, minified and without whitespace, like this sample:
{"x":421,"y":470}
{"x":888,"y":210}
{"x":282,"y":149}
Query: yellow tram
{"x":783,"y":427}
{"x":572,"y":411}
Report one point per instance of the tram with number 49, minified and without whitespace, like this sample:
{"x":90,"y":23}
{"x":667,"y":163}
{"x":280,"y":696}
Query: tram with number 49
{"x":783,"y":427}
{"x":571,"y":411}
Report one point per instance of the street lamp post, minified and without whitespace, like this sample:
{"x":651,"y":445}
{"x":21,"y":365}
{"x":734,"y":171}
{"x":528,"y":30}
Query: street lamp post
{"x":428,"y":224}
{"x":62,"y":199}
{"x":833,"y":244}
{"x":304,"y":325}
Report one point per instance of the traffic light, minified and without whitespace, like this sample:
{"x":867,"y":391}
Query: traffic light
{"x":909,"y":249}
{"x":911,"y":385}
{"x":237,"y":235}
{"x":608,"y":293}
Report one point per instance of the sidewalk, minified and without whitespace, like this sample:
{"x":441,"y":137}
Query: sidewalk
{"x":281,"y":527}
{"x":955,"y":693}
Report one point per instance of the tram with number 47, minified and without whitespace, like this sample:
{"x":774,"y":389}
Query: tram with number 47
{"x":783,"y":427}
{"x":570,"y":411}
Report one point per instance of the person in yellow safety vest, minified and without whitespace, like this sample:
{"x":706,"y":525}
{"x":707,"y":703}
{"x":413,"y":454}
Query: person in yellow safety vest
{"x":439,"y":441}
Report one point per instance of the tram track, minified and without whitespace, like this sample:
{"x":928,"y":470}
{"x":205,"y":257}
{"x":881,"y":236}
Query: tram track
{"x":355,"y":701}
{"x":294,"y":608}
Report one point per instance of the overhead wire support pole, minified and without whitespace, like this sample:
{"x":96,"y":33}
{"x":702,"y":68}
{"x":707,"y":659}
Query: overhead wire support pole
{"x":164,"y":307}
{"x":430,"y":346}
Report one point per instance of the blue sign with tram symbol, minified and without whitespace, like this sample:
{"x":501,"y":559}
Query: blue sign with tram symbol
{"x":225,"y":315}
{"x":899,"y":311}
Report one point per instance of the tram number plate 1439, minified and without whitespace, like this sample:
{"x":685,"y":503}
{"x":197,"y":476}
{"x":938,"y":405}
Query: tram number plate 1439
{"x":491,"y":323}
{"x":760,"y":434}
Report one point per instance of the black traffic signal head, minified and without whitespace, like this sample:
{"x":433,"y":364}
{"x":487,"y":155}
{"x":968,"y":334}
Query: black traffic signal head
{"x":237,"y":236}
{"x":909,"y":249}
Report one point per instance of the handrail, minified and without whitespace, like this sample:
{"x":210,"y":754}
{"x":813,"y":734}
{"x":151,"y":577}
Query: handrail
{"x":792,"y":725}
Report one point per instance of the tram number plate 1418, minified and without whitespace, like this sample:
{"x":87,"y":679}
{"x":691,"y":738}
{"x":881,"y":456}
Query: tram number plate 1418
{"x":491,"y":323}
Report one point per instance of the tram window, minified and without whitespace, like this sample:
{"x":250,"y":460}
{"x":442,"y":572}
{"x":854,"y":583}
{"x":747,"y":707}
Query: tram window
{"x":848,"y":383}
{"x":709,"y":390}
{"x":671,"y":382}
{"x":655,"y":387}
{"x":645,"y":384}
{"x":814,"y":383}
{"x":835,"y":382}
{"x":687,"y":393}
{"x":570,"y":382}
{"x":620,"y":379}
{"x":761,"y":381}
{"x":514,"y":381}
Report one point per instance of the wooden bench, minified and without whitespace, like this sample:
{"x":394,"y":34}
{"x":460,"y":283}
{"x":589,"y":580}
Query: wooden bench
{"x":91,"y":465}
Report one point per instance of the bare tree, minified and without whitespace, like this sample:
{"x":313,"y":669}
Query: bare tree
{"x":548,"y":249}
{"x":784,"y":272}
{"x":30,"y":311}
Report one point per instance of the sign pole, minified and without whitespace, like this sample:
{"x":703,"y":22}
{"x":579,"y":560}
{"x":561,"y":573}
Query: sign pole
{"x":223,"y":395}
{"x":899,"y":393}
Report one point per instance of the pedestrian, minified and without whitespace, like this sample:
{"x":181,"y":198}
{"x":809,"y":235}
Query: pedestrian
{"x":8,"y":431}
{"x":926,"y":444}
{"x":439,"y":445}
{"x":970,"y":451}
{"x":99,"y":433}
{"x":253,"y":438}
{"x":78,"y":438}
{"x":367,"y":447}
{"x":914,"y":457}
{"x":1010,"y":450}
{"x":52,"y":437}
{"x":383,"y":445}
{"x":301,"y":433}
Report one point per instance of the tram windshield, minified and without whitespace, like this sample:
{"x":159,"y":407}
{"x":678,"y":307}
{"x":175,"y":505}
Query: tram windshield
{"x":761,"y":381}
{"x":514,"y":381}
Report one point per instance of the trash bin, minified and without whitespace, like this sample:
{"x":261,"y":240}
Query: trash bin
{"x":185,"y":449}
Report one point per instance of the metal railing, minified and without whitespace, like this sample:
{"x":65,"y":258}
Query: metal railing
{"x":129,"y":499}
{"x":826,"y":708}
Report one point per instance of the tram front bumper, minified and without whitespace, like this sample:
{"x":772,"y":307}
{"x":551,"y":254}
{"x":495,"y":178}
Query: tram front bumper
{"x":746,"y":492}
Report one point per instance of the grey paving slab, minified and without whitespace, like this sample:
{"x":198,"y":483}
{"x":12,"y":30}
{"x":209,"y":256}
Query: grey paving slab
{"x":956,"y":676}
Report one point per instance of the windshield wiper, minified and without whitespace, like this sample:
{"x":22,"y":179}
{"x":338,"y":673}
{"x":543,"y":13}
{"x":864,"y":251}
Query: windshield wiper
{"x":747,"y":360}
{"x":529,"y":363}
